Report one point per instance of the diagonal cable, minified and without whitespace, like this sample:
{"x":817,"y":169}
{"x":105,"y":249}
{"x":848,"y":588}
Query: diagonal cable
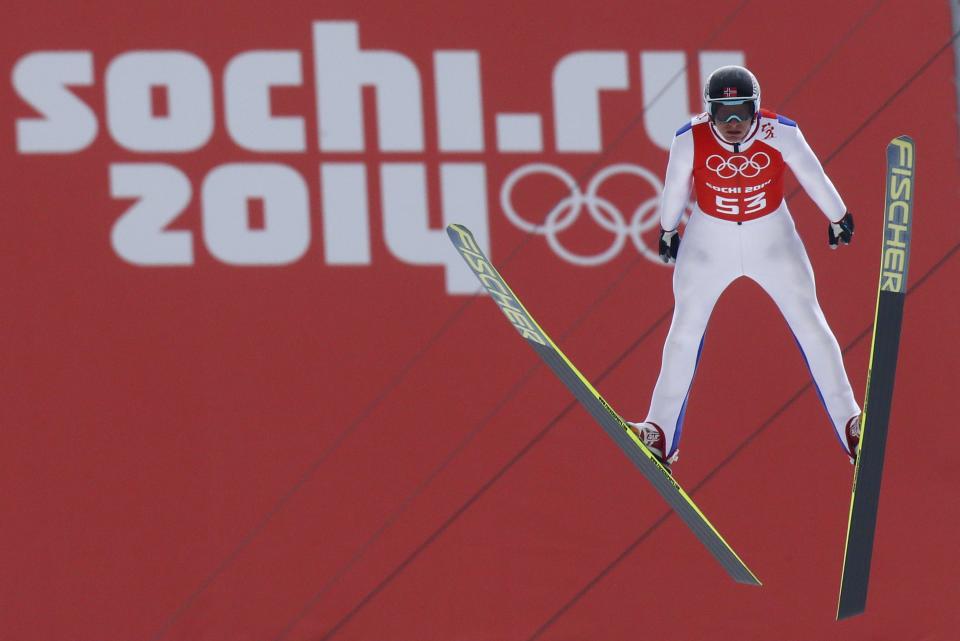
{"x":312,"y":468}
{"x":839,"y":42}
{"x":443,"y":527}
{"x":487,"y":418}
{"x":526,"y":375}
{"x":716,"y":469}
{"x":515,"y":389}
{"x":488,"y":484}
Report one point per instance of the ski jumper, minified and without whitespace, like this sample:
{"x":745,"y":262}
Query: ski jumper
{"x":740,"y":226}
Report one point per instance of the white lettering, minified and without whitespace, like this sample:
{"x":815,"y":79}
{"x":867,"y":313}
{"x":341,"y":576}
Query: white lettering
{"x":724,"y":190}
{"x":459,"y":105}
{"x":756,"y":202}
{"x":284,"y":233}
{"x":756,"y":187}
{"x":182,"y":79}
{"x":342,"y":69}
{"x":246,"y":89}
{"x":406,"y":222}
{"x":578,"y":79}
{"x":66,"y":124}
{"x":259,"y":213}
{"x":346,"y":218}
{"x":519,"y":133}
{"x":728,"y":206}
{"x":139,"y":235}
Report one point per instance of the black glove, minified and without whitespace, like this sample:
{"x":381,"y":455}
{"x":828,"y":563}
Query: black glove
{"x":669,"y":245}
{"x":841,"y":231}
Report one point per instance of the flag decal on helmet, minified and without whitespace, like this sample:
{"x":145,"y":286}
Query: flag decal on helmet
{"x":731,"y":85}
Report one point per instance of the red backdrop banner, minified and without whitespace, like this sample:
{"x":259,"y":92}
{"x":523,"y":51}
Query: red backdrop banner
{"x":251,"y":391}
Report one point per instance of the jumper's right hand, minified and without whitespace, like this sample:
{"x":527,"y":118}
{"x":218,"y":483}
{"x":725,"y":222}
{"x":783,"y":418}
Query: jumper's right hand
{"x":669,"y":245}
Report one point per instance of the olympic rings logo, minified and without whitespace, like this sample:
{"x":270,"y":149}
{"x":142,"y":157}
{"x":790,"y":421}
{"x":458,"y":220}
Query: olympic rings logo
{"x":603,"y":212}
{"x":738,"y":164}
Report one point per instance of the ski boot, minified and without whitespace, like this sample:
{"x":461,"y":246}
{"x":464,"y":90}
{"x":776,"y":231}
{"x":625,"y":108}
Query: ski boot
{"x":852,"y":432}
{"x":651,"y":435}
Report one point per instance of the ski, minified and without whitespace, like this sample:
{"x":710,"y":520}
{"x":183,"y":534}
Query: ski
{"x":865,"y":496}
{"x":599,"y":409}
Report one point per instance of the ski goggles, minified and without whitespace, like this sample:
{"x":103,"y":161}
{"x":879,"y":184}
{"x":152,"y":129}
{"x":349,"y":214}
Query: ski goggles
{"x":727,"y":113}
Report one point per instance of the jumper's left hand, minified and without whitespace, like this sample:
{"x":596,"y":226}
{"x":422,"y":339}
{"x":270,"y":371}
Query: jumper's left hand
{"x":841,"y":231}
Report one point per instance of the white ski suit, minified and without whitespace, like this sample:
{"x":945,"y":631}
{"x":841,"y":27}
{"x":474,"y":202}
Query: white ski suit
{"x":740,"y":226}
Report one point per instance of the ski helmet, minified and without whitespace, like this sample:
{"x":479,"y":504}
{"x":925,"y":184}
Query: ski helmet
{"x":731,"y":85}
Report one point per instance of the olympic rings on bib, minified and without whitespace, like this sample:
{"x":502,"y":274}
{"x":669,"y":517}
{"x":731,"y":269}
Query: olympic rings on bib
{"x":738,"y":164}
{"x":602,"y":211}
